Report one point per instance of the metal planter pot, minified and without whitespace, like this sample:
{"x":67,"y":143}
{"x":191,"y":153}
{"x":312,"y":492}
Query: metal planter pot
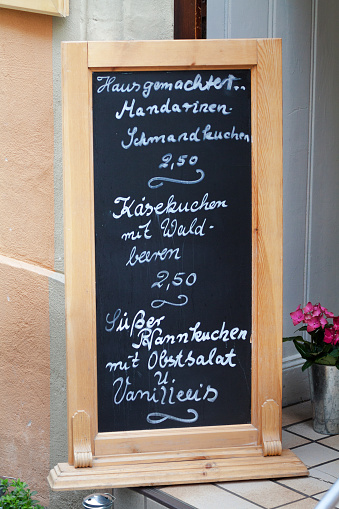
{"x":324,"y":388}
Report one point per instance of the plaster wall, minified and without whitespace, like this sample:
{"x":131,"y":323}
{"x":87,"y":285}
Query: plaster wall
{"x":323,"y":259}
{"x":26,"y":145}
{"x":24,"y":377}
{"x":26,"y":244}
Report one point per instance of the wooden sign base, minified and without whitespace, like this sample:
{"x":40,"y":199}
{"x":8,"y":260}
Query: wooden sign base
{"x":179,"y":468}
{"x":156,"y":468}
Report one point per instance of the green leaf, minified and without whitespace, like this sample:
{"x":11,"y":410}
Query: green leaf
{"x":303,"y":349}
{"x":294,"y":338}
{"x":325,"y":360}
{"x":306,"y":365}
{"x":303,"y":328}
{"x":334,"y":353}
{"x":18,"y":497}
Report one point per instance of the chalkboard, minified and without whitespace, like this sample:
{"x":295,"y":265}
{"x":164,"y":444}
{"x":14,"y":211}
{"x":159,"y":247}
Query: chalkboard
{"x":173,"y":247}
{"x":172,"y":154}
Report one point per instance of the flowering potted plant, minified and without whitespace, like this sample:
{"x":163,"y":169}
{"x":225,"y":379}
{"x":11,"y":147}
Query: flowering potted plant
{"x":323,"y":346}
{"x":321,"y":354}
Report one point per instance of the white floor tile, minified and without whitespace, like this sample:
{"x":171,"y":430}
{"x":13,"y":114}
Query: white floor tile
{"x":331,"y":469}
{"x":296,"y":413}
{"x":305,"y":429}
{"x":332,"y":441}
{"x":314,"y":454}
{"x":265,"y":493}
{"x":307,"y":485}
{"x":290,"y":440}
{"x":306,"y":503}
{"x":208,"y":496}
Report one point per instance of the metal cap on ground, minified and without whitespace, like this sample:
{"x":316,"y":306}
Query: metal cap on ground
{"x":98,"y":501}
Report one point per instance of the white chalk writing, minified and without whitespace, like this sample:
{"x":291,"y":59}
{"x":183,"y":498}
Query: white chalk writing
{"x":162,"y":214}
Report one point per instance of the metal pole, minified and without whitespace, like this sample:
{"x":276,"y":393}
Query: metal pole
{"x":330,"y":499}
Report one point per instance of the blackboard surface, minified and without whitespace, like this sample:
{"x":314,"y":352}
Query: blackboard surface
{"x":172,"y":195}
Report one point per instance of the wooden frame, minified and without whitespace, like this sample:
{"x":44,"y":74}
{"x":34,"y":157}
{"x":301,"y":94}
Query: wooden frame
{"x":52,"y":7}
{"x":136,"y":458}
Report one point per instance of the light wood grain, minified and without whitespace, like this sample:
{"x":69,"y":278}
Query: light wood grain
{"x":82,"y":440}
{"x":254,"y":337}
{"x":269,"y":257}
{"x":270,"y":428}
{"x":66,"y":477}
{"x":79,"y":239}
{"x":175,"y":439}
{"x":185,"y":54}
{"x":52,"y":7}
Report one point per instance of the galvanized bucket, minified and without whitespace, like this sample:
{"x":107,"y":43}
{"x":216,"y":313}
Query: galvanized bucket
{"x":98,"y":501}
{"x":324,"y":388}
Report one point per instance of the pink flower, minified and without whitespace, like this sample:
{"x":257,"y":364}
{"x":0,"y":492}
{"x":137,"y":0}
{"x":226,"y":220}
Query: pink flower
{"x":307,"y":317}
{"x":323,"y":321}
{"x":331,"y":336}
{"x":308,"y":308}
{"x":313,"y":324}
{"x":336,"y":322}
{"x":328,"y":335}
{"x":329,"y":314}
{"x":317,"y":310}
{"x":297,"y":316}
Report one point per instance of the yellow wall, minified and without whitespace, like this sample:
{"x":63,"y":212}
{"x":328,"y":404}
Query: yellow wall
{"x":26,"y":144}
{"x":26,"y":234}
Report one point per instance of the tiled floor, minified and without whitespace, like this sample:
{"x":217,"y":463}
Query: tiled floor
{"x":320,"y":453}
